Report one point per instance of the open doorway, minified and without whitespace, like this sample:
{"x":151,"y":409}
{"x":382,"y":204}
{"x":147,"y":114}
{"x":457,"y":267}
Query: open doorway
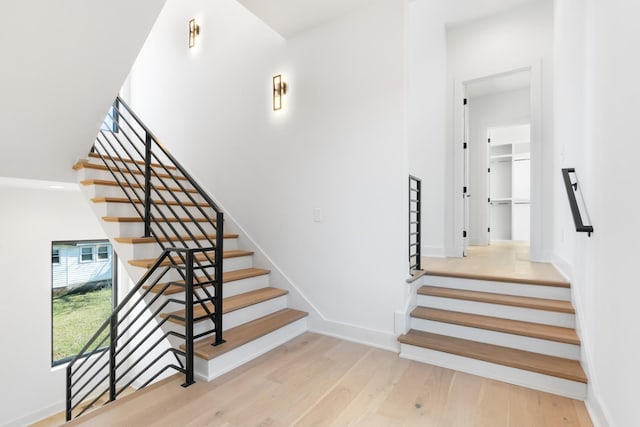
{"x":497,"y":161}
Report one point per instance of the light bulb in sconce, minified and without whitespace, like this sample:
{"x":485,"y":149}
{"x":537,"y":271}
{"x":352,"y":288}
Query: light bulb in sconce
{"x":194,"y":31}
{"x":279,"y":90}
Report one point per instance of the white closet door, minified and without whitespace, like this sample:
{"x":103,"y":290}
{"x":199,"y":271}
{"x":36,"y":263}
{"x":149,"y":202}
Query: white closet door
{"x":521,"y":218}
{"x":521,"y":180}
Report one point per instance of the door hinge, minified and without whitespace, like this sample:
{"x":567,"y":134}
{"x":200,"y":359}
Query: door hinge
{"x":464,"y":190}
{"x":488,"y":199}
{"x":464,"y":233}
{"x":489,"y":170}
{"x":464,"y":145}
{"x":464,"y":101}
{"x":489,"y":140}
{"x":489,"y":230}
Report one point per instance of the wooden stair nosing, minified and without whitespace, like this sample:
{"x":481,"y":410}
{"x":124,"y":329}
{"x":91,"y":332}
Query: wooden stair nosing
{"x":138,"y":219}
{"x":534,"y":362}
{"x":247,"y":332}
{"x":505,"y":279}
{"x":498,"y":324}
{"x":227,"y":277}
{"x":149,"y":262}
{"x":157,"y":202}
{"x":144,"y":240}
{"x":108,"y":183}
{"x":154,"y":174}
{"x":500,"y":299}
{"x":229,"y":304}
{"x":140,"y":162}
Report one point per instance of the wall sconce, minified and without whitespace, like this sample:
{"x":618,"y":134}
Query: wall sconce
{"x":279,"y":89}
{"x":194,"y":31}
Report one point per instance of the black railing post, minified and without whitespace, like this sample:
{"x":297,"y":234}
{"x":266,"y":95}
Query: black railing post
{"x":147,"y":186}
{"x":188,"y":324}
{"x":113,"y":340}
{"x":218,"y":277}
{"x":68,"y":407}
{"x":419,"y":225}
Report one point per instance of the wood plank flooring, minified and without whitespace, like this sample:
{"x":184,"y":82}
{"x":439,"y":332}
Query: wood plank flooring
{"x":501,"y":261}
{"x":324,"y":381}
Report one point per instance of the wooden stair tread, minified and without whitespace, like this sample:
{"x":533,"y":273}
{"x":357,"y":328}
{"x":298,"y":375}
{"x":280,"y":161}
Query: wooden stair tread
{"x":157,"y":202}
{"x":109,"y":183}
{"x":230,"y":304}
{"x":149,"y":262}
{"x":84,"y":164}
{"x":498,"y":278}
{"x":140,"y":162}
{"x":247,"y":332}
{"x":227,"y":276}
{"x":520,"y":359}
{"x":491,"y":298}
{"x":138,"y":219}
{"x":516,"y":327}
{"x":142,"y":240}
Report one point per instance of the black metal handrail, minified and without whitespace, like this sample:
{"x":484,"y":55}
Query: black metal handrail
{"x":415,"y":223}
{"x":180,"y":217}
{"x":572,"y":188}
{"x":133,"y":151}
{"x":130,"y":330}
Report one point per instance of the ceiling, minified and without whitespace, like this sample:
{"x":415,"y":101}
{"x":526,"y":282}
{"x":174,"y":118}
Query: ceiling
{"x":460,"y":11}
{"x":291,"y":17}
{"x":497,"y":84}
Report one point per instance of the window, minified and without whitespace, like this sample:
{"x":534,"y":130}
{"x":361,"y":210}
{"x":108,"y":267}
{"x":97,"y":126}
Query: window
{"x":82,"y":295}
{"x":86,"y":254}
{"x":103,"y":253}
{"x":55,"y":256}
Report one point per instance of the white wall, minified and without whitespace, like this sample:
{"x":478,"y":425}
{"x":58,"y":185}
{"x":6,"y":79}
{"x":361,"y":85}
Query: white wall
{"x":426,"y":92}
{"x":513,"y":40}
{"x":32,"y":217}
{"x":62,"y":65}
{"x":338,"y":144}
{"x":597,"y":89}
{"x":505,"y":108}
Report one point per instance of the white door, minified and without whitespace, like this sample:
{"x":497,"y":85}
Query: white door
{"x":465,"y":189}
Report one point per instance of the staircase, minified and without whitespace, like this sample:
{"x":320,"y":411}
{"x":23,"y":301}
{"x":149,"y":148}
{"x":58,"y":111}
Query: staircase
{"x":145,"y":214}
{"x":512,"y":330}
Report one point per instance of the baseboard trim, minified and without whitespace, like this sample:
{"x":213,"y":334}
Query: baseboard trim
{"x":36,"y":416}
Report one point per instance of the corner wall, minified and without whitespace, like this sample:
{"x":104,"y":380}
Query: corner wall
{"x":597,"y":92}
{"x":338,"y":145}
{"x":32,"y":217}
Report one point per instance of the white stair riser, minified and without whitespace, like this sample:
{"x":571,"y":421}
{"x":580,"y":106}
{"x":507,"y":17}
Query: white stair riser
{"x":495,"y":310}
{"x":519,"y":289}
{"x":229,"y":289}
{"x":546,"y":383}
{"x":551,"y":348}
{"x":235,"y":318}
{"x":127,"y":209}
{"x":137,"y":228}
{"x":151,"y":250}
{"x":86,"y":173}
{"x":211,"y":369}
{"x":110,"y":191}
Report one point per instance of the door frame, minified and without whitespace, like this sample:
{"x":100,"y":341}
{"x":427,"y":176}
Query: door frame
{"x":457,"y":182}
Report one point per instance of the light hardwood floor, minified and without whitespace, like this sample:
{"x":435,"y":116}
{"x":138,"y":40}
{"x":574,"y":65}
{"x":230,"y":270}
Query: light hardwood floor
{"x":504,"y":260}
{"x":318,"y":380}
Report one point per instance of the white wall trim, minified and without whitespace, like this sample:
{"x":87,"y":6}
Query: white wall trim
{"x":36,"y":416}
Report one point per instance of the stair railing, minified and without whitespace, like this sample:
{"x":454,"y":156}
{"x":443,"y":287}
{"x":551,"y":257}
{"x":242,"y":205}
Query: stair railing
{"x":124,"y":349}
{"x":415,"y":219}
{"x":571,"y":185}
{"x":156,"y":185}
